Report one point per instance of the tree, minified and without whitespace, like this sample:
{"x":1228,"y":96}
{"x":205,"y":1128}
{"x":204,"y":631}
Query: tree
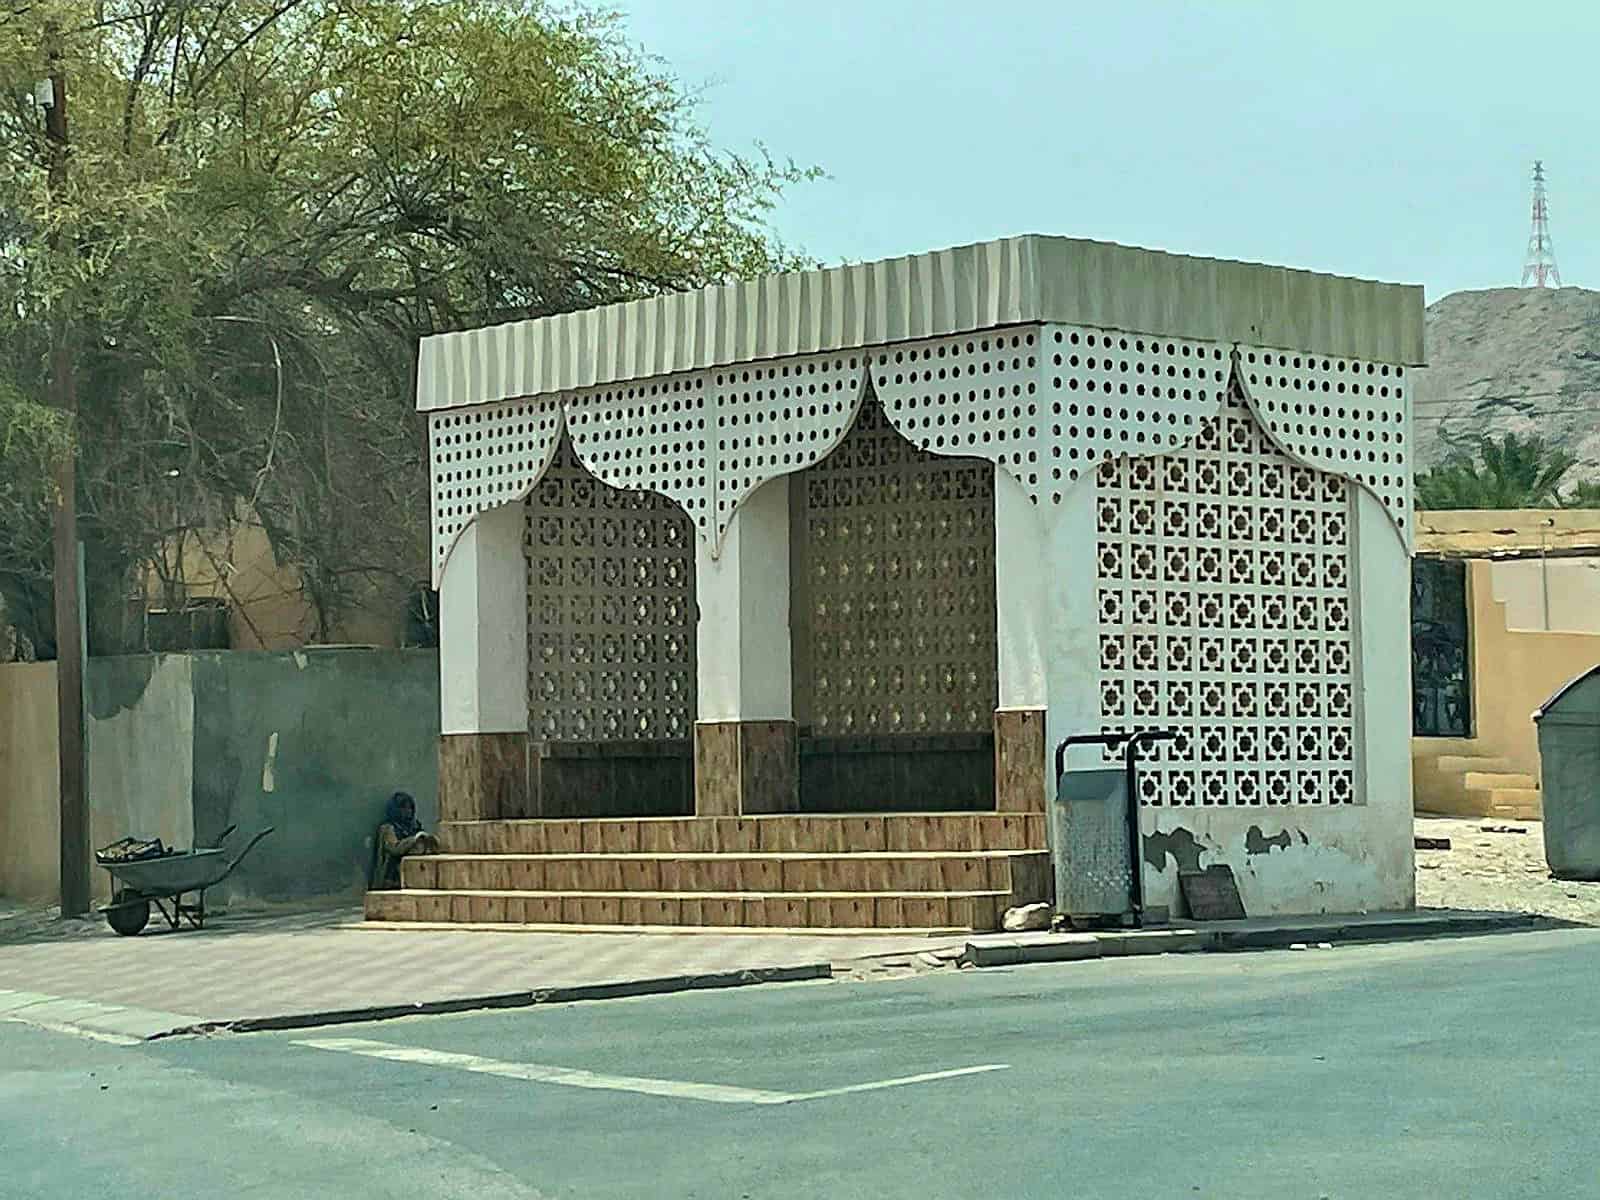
{"x":269,"y":202}
{"x":1508,"y":473}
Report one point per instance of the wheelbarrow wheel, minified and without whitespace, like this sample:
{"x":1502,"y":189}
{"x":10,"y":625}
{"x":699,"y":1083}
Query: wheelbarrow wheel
{"x":128,"y":914}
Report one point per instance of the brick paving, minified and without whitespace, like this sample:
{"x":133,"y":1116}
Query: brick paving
{"x":251,"y":966}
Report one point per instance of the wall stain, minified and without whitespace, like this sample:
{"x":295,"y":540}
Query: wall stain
{"x":114,"y":685}
{"x":1256,"y":842}
{"x":1180,"y":844}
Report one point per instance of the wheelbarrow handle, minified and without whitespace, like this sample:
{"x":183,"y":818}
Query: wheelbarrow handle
{"x":239,"y":858}
{"x":222,"y":837}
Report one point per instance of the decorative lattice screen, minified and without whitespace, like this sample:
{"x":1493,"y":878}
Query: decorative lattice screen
{"x":894,"y":610}
{"x":1225,"y":613}
{"x":611,"y":616}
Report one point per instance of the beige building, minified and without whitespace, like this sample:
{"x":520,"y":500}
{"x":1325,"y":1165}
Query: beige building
{"x":1506,"y":609}
{"x":264,"y":603}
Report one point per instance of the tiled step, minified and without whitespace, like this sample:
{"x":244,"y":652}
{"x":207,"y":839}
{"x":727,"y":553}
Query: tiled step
{"x":774,"y":910}
{"x":1499,"y":780}
{"x":1461,"y":764}
{"x":787,"y":834}
{"x":1521,"y":804}
{"x":1022,"y":876}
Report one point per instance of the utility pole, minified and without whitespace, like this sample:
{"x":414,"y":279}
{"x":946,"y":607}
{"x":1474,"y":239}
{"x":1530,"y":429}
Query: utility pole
{"x":70,"y":648}
{"x":1539,"y":264}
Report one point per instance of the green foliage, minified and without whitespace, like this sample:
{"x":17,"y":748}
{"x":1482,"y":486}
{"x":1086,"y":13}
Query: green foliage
{"x":1508,"y":473}
{"x":269,"y":201}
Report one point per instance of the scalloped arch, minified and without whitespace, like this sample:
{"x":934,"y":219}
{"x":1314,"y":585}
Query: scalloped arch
{"x":1342,"y":416}
{"x":480,"y":458}
{"x":1046,"y":402}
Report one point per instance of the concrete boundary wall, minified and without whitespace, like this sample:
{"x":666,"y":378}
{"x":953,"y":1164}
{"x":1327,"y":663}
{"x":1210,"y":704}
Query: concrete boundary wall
{"x":181,"y":746}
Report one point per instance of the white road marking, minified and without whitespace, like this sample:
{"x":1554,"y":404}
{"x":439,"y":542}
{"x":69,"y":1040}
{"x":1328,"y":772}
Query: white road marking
{"x":94,"y":1035}
{"x":121,"y":1025}
{"x":537,"y":1073}
{"x":714,"y":1093}
{"x":903,"y":1080}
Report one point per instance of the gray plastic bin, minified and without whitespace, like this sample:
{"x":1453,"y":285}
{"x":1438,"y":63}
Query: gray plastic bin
{"x":1089,"y":837}
{"x":1569,"y":777}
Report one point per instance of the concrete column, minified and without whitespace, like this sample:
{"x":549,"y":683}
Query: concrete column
{"x":1021,"y":580}
{"x":1071,"y":622}
{"x":1383,"y":711}
{"x":746,"y":749}
{"x":483,"y":671}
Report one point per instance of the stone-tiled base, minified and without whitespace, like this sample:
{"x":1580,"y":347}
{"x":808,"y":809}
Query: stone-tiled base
{"x":745,"y":767}
{"x":923,"y":870}
{"x":1019,"y":760}
{"x":483,"y":776}
{"x":898,"y":833}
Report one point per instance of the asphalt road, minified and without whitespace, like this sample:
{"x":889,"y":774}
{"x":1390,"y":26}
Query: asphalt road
{"x":1458,"y":1068}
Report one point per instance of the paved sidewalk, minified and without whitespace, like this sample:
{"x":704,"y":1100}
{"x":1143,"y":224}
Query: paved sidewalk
{"x":297,"y":969}
{"x":278,"y":970}
{"x":1253,"y":933}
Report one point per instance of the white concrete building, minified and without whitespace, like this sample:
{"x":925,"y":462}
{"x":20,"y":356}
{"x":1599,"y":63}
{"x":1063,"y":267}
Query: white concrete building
{"x":875,"y":539}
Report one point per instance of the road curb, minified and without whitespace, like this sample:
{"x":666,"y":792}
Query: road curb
{"x":660,"y":986}
{"x":1073,"y":947}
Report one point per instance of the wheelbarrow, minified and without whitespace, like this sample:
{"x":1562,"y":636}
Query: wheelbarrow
{"x":164,"y":880}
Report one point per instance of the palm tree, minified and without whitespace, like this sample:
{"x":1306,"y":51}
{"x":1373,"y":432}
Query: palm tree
{"x":1512,"y":472}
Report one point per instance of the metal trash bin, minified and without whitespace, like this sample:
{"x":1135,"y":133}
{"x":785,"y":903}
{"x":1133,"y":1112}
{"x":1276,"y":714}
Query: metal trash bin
{"x":1568,"y":725}
{"x":1089,"y":833}
{"x":1094,"y":829}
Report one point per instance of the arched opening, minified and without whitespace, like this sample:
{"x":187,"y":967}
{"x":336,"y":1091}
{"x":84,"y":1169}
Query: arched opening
{"x":611,"y":648}
{"x":893,"y":625}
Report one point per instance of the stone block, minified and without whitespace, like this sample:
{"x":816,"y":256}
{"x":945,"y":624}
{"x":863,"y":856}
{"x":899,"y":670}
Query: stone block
{"x":542,"y":910}
{"x":611,"y":837}
{"x":563,"y":837}
{"x":483,"y":776}
{"x":761,"y":875}
{"x":962,"y":874}
{"x":640,"y":875}
{"x":786,"y":912}
{"x":1019,"y":760}
{"x":746,"y":767}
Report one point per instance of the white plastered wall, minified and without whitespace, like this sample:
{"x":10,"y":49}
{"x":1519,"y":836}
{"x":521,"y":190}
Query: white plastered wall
{"x":1291,"y":858}
{"x":483,"y":635}
{"x":742,"y":639}
{"x":1021,"y":583}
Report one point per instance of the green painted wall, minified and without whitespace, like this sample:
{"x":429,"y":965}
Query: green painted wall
{"x":311,"y":742}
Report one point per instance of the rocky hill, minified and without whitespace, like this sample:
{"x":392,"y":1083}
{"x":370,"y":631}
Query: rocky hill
{"x":1523,"y":360}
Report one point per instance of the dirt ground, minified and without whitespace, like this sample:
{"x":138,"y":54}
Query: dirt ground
{"x":1506,"y":871}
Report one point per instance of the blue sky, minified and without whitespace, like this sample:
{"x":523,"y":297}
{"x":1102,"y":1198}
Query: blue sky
{"x":1387,"y":139}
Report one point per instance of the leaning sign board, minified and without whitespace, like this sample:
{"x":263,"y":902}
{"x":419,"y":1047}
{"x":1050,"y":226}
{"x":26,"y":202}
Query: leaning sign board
{"x":1212,"y":894}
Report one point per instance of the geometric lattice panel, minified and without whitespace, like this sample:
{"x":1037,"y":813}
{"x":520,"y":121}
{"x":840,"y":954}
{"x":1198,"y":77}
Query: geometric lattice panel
{"x":976,"y":394}
{"x":611,"y":616}
{"x":1116,"y":393}
{"x":483,"y":457}
{"x":894,"y":605}
{"x":1224,"y":591}
{"x":775,"y":418}
{"x":1339,"y":415}
{"x":648,"y":435}
{"x":1048,"y":402}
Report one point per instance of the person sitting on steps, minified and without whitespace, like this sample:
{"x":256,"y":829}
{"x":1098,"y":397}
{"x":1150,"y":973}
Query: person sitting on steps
{"x":399,"y":835}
